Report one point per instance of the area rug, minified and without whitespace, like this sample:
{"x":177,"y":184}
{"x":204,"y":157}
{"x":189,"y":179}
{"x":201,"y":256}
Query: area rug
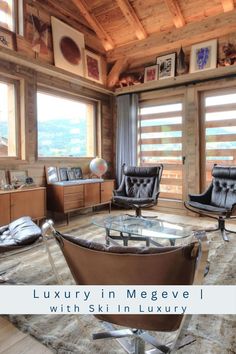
{"x":69,"y":334}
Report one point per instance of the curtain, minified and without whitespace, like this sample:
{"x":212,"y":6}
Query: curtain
{"x":126,"y":132}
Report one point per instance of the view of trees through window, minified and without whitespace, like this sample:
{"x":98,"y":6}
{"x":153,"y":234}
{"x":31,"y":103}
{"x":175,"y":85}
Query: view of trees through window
{"x":7,"y":120}
{"x":160,"y":141}
{"x":66,"y":126}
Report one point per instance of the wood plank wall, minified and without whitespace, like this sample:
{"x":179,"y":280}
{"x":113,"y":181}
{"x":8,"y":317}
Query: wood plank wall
{"x":29,"y":80}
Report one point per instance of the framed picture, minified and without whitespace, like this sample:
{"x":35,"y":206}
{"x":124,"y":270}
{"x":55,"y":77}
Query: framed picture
{"x":78,"y":172}
{"x":71,"y":175}
{"x":203,"y":56}
{"x":68,"y":47}
{"x":7,"y":39}
{"x":51,"y":175}
{"x":18,"y":177}
{"x":3,"y":178}
{"x":92,"y":66}
{"x":63,"y":173}
{"x":166,"y":66}
{"x":151,"y":73}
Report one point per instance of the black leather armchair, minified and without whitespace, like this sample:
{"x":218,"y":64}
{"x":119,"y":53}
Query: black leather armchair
{"x":139,"y":188}
{"x":219,"y":200}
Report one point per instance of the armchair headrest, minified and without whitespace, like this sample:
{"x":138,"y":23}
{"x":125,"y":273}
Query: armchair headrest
{"x":226,"y":172}
{"x":135,"y":171}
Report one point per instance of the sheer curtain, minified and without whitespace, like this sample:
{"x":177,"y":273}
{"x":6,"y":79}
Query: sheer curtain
{"x":126,"y":132}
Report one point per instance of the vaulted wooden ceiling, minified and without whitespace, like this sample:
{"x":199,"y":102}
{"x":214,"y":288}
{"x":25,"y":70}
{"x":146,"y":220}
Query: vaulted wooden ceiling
{"x":133,"y":29}
{"x":120,"y":22}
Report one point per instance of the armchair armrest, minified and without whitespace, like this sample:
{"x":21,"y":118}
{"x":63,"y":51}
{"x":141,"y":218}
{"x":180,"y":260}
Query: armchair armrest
{"x":118,"y":192}
{"x":233,"y":209}
{"x":203,"y":198}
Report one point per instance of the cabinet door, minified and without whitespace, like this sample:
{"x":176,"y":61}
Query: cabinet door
{"x":28,"y":203}
{"x":107,"y":188}
{"x":4,"y":209}
{"x":91,"y":194}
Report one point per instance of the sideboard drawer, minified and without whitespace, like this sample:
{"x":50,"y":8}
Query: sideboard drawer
{"x":73,"y":189}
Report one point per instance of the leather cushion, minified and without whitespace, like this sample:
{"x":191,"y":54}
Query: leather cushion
{"x":92,"y":245}
{"x":228,"y":172}
{"x":208,"y":208}
{"x":139,"y":187}
{"x":132,"y":201}
{"x":18,"y":233}
{"x":136,"y":171}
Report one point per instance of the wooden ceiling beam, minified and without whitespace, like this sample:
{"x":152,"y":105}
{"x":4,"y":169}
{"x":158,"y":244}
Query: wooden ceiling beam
{"x":175,"y":12}
{"x":228,"y":5}
{"x":169,"y":41}
{"x":118,"y":67}
{"x":98,"y":29}
{"x":132,"y":18}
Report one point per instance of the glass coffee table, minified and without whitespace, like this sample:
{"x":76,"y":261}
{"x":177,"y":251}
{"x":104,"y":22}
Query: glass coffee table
{"x":141,"y":229}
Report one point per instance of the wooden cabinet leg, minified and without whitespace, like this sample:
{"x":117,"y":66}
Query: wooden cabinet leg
{"x":67,"y":218}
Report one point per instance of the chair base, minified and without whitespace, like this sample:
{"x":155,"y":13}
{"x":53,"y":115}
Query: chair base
{"x":221,"y":223}
{"x":221,"y":227}
{"x":138,"y":338}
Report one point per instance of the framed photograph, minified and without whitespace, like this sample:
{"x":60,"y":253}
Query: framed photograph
{"x":18,"y":177}
{"x":3,"y":178}
{"x":52,"y":175}
{"x":78,"y":172}
{"x":63,"y":173}
{"x":166,"y":66}
{"x":151,"y":73}
{"x":7,"y":39}
{"x":71,"y":175}
{"x":68,"y":47}
{"x":92,"y":66}
{"x":203,"y":56}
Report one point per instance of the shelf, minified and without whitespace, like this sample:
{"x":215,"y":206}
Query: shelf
{"x":207,"y":75}
{"x":45,"y":68}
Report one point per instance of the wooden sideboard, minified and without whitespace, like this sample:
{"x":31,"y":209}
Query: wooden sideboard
{"x":24,"y":202}
{"x":65,"y":198}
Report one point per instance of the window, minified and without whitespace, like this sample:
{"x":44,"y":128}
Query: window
{"x":218,"y":131}
{"x":8,"y":128}
{"x":160,"y":141}
{"x":66,"y":126}
{"x":12,"y":15}
{"x":7,"y":12}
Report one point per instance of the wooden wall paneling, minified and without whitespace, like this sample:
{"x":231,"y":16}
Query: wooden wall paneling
{"x":72,"y":17}
{"x":192,"y":163}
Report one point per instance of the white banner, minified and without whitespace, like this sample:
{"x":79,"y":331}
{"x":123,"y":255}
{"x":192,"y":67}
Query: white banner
{"x":56,"y":299}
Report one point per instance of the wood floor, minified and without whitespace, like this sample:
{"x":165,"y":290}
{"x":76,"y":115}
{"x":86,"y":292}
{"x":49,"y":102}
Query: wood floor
{"x":13,"y":341}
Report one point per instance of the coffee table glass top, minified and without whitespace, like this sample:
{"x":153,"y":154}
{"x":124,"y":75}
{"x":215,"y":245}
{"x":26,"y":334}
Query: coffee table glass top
{"x":143,"y":227}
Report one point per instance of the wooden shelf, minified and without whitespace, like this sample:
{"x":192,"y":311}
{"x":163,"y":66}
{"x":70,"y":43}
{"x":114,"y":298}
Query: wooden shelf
{"x":207,"y":75}
{"x":39,"y":66}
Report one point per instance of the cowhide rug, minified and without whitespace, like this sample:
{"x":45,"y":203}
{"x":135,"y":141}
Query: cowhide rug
{"x":69,"y":334}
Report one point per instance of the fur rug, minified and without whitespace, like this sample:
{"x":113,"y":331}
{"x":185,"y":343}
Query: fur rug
{"x":65,"y":334}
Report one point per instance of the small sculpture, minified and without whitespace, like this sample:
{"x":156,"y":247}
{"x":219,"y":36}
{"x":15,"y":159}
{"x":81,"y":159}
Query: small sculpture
{"x":230,"y":55}
{"x":182,"y":66}
{"x":129,"y":79}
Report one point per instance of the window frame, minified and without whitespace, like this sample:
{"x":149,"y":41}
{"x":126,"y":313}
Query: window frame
{"x":16,"y":85}
{"x":75,"y":97}
{"x":18,"y":10}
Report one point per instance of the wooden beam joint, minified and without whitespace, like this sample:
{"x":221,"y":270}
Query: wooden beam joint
{"x":175,"y":12}
{"x":132,"y":18}
{"x":91,"y":19}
